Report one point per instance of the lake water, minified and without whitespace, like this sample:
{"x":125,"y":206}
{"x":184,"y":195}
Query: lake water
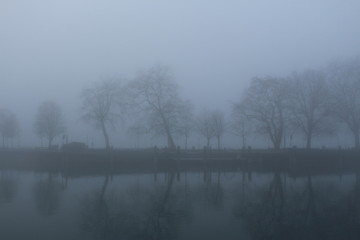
{"x":189,"y":205}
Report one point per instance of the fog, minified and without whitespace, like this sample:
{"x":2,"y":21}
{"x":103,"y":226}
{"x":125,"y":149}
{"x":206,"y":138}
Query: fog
{"x":51,"y":50}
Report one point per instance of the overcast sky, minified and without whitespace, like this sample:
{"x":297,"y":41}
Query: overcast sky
{"x":50,"y":49}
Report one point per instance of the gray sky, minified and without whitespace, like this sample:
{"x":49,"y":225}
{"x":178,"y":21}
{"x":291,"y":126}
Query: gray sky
{"x":52,"y":49}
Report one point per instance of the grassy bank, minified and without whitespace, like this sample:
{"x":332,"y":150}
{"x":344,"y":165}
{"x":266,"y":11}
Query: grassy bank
{"x":296,"y":162}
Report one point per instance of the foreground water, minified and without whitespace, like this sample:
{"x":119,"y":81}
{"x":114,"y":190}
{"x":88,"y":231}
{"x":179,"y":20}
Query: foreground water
{"x":187,"y":205}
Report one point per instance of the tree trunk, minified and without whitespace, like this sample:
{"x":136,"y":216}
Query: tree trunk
{"x":103,"y":188}
{"x":357,"y":140}
{"x":277,"y":143}
{"x":208,"y":143}
{"x":171,"y":143}
{"x":308,"y":141}
{"x":103,"y":128}
{"x":277,"y":146}
{"x":218,"y":142}
{"x":243,"y":141}
{"x":186,"y":140}
{"x":50,"y":142}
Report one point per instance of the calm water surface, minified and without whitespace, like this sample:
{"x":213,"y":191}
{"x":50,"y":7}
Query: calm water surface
{"x":191,"y":205}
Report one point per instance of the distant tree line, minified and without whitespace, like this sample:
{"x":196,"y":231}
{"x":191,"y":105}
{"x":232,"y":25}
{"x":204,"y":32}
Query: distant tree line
{"x":49,"y":121}
{"x":311,"y":103}
{"x":9,"y":127}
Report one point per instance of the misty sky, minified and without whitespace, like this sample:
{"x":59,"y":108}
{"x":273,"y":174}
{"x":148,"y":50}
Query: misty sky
{"x":50,"y":50}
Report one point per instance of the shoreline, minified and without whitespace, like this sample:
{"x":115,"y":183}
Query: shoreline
{"x":295,"y":162}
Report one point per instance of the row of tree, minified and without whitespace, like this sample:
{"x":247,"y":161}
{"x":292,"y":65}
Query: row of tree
{"x":312,"y":103}
{"x":153,"y":100}
{"x":9,"y":127}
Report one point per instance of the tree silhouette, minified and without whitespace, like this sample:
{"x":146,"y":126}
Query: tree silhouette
{"x":9,"y":126}
{"x":309,"y":99}
{"x":205,"y":126}
{"x":345,"y":94}
{"x":49,"y":121}
{"x":101,"y":103}
{"x":155,"y":94}
{"x":241,"y":124}
{"x":265,"y":102}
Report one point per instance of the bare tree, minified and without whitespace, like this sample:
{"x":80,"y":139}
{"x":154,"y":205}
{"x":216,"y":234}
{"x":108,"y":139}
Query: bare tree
{"x":156,"y":95}
{"x":9,"y":126}
{"x":265,"y":102}
{"x":205,"y":126}
{"x":218,"y":123}
{"x":100,"y":105}
{"x":309,"y":104}
{"x":345,"y":94}
{"x":186,"y":123}
{"x":49,"y":121}
{"x":240,"y":123}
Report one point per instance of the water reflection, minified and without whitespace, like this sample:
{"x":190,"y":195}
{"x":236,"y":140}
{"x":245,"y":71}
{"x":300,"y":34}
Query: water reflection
{"x":47,"y":194}
{"x":304,"y":212}
{"x":211,"y":192}
{"x":95,"y":212}
{"x":263,"y":211}
{"x":139,"y":213}
{"x":8,"y":187}
{"x":192,"y":205}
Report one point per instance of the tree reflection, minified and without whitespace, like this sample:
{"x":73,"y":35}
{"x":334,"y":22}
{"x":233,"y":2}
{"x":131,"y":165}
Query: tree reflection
{"x":140,"y":213}
{"x":212,"y":192}
{"x":353,"y":211}
{"x":8,"y":188}
{"x":160,"y":219}
{"x":324,"y":212}
{"x":263,"y":215}
{"x":309,"y":220}
{"x":328,"y":213}
{"x":95,"y":213}
{"x":47,"y":194}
